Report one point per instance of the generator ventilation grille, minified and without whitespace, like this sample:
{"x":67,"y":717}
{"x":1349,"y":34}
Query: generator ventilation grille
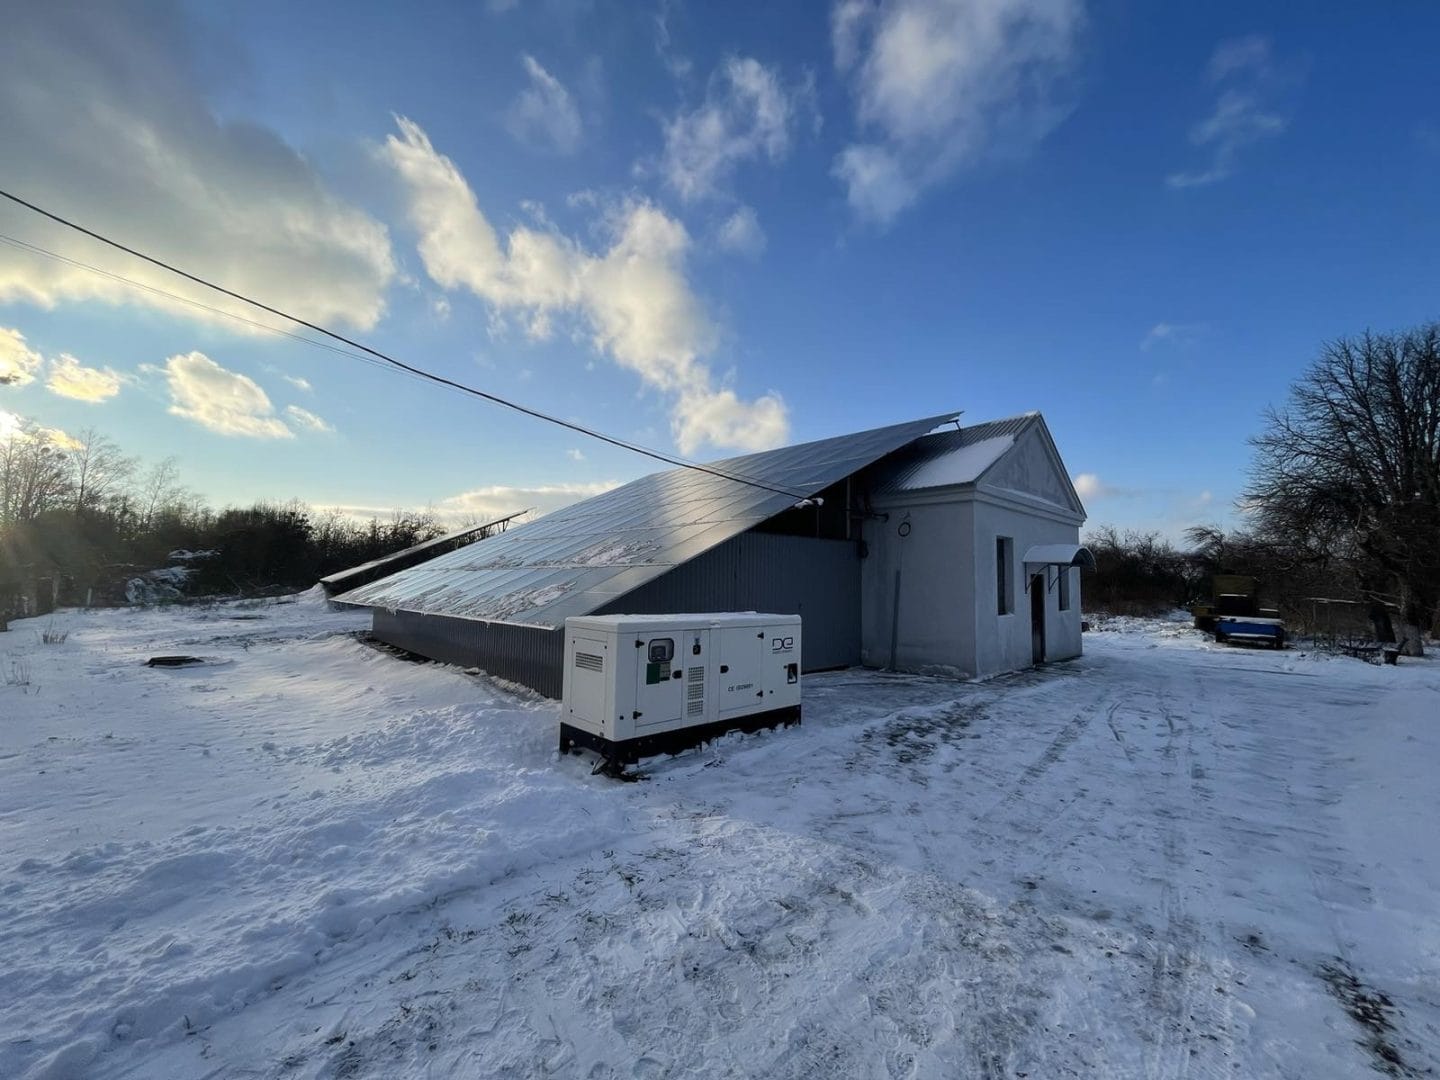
{"x":695,"y":692}
{"x":589,"y":661}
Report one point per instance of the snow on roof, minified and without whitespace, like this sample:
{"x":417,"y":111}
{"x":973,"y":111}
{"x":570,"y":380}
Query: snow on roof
{"x":961,"y":465}
{"x":950,"y":458}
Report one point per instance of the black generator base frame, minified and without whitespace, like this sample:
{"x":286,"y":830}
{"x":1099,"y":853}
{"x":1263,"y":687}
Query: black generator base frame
{"x":629,"y":751}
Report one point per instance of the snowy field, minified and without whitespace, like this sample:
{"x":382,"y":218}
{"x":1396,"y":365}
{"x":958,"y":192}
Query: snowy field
{"x":309,"y":858}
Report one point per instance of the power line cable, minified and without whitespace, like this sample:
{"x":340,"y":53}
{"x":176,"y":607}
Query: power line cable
{"x":441,"y":380}
{"x":36,"y":249}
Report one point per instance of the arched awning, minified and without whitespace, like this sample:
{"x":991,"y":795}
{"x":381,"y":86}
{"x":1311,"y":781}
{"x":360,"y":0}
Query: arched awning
{"x":1059,"y":555}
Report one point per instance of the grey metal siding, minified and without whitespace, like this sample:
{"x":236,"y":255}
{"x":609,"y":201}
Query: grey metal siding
{"x":531,"y":656}
{"x":819,"y":580}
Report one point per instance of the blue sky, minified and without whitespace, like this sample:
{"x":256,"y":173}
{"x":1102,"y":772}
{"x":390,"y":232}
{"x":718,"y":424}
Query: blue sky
{"x":708,"y":228}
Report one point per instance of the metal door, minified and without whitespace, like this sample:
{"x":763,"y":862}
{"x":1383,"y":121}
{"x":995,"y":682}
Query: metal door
{"x":1037,"y":619}
{"x":740,"y":653}
{"x":663,"y":693}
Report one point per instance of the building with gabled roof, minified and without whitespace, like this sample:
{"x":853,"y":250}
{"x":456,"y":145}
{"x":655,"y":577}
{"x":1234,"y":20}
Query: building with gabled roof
{"x":885,"y":542}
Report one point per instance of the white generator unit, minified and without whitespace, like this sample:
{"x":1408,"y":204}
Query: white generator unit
{"x":637,"y":685}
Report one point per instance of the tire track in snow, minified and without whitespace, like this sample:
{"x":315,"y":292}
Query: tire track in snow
{"x":1192,"y":1031}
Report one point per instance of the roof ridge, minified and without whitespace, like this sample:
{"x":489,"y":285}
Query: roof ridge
{"x":1003,"y":419}
{"x":941,"y":418}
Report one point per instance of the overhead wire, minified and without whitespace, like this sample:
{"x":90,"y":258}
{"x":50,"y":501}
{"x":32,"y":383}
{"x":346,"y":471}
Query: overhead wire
{"x":36,"y":249}
{"x":357,"y":349}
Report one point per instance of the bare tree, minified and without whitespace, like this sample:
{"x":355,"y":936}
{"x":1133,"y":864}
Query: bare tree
{"x":35,"y":474}
{"x":160,"y":489}
{"x":1353,"y":464}
{"x":99,"y":471}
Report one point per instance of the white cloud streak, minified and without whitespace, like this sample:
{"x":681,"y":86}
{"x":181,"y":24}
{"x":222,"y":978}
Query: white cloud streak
{"x":103,"y":113}
{"x":747,"y":115}
{"x":941,"y":84}
{"x":1174,"y":334}
{"x":544,"y":115}
{"x":226,"y":402}
{"x":632,"y":297}
{"x":308,"y":421}
{"x":1090,"y":487}
{"x":72,"y":379}
{"x":1247,"y":84}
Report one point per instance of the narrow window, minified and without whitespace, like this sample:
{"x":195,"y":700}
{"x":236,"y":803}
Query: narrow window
{"x":1004,"y":575}
{"x":1064,"y":588}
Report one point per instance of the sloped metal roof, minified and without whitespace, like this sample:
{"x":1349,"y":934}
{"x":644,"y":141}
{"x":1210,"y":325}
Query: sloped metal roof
{"x":948,"y":458}
{"x":576,"y":560}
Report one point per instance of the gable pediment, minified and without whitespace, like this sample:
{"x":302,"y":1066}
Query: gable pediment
{"x":1032,"y":469}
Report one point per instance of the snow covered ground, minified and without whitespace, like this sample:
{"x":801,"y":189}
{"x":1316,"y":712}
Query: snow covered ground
{"x":307,"y":857}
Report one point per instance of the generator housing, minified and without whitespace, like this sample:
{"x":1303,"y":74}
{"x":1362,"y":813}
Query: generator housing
{"x":638,"y":685}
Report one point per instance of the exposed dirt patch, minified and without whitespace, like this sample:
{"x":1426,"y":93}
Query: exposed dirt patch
{"x":1372,"y":1009}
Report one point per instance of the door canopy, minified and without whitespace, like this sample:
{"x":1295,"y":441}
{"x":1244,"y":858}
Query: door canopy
{"x":1066,"y":555}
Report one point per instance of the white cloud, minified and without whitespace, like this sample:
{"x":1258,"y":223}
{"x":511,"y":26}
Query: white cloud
{"x":308,"y":420}
{"x":226,"y":402}
{"x":1241,"y":55}
{"x":741,"y":234}
{"x":719,"y":418}
{"x":678,"y":66}
{"x":848,"y":19}
{"x":18,"y":362}
{"x":940,"y":84}
{"x":110,"y":109}
{"x":876,"y":183}
{"x":575,"y":455}
{"x":13,"y":426}
{"x":498,"y":500}
{"x":632,"y":298}
{"x":299,"y":383}
{"x":70,"y":378}
{"x":60,"y":439}
{"x":1177,"y":334}
{"x":544,"y":114}
{"x":1090,"y":486}
{"x":1247,"y":83}
{"x":747,"y":115}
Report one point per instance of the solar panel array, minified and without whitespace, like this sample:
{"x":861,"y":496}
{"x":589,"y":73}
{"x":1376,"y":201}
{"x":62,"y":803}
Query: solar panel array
{"x":578,"y":559}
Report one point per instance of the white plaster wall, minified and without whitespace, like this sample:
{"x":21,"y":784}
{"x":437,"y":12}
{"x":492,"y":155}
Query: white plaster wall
{"x":1002,"y":642}
{"x":937,"y":588}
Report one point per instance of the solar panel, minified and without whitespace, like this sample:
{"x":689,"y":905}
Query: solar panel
{"x":578,"y":559}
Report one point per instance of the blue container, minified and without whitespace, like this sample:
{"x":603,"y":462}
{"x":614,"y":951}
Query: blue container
{"x":1254,"y":630}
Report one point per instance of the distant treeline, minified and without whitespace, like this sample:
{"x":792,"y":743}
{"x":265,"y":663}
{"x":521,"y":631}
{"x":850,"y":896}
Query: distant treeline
{"x":78,"y":517}
{"x":1343,"y":501}
{"x":1143,"y":573}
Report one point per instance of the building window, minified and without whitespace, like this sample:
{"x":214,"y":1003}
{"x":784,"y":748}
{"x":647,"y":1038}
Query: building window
{"x":1064,"y":588}
{"x":1005,"y":574}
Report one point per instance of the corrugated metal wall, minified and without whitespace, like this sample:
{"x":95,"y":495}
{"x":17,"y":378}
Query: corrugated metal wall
{"x":528,"y":655}
{"x":819,"y":580}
